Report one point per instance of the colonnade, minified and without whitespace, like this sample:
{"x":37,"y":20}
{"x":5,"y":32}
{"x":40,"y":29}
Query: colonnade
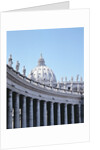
{"x":23,"y":111}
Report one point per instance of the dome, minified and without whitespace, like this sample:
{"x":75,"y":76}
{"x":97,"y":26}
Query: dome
{"x":43,"y":74}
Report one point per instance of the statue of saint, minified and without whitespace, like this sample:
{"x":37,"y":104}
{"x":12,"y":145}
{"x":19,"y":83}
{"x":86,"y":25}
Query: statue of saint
{"x":17,"y":66}
{"x":10,"y":62}
{"x":77,"y":77}
{"x":24,"y":70}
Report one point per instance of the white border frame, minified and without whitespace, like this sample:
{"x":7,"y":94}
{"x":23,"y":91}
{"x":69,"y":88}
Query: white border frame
{"x":38,"y":136}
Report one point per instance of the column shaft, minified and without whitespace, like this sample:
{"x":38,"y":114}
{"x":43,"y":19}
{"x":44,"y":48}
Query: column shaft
{"x":38,"y":113}
{"x":72,"y":113}
{"x":79,"y":107}
{"x":16,"y":111}
{"x":30,"y":112}
{"x":51,"y":114}
{"x":65,"y":113}
{"x":58,"y":114}
{"x":9,"y":109}
{"x":82,"y":113}
{"x":45,"y":113}
{"x":23,"y":112}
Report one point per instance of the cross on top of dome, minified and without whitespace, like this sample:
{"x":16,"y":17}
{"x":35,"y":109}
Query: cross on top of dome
{"x":41,"y":55}
{"x":41,"y":61}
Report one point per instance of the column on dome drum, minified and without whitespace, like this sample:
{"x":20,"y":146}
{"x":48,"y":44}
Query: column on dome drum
{"x":82,"y":113}
{"x":23,"y":111}
{"x":76,"y":113}
{"x":50,"y":113}
{"x":9,"y":109}
{"x":16,"y":110}
{"x":43,"y":113}
{"x":30,"y":119}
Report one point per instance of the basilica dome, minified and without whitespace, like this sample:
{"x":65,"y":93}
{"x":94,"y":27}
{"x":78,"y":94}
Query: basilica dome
{"x":43,"y":74}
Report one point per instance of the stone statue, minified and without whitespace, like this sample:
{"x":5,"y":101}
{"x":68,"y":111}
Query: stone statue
{"x":77,"y":77}
{"x":10,"y":62}
{"x":71,"y":88}
{"x":71,"y":79}
{"x":31,"y":75}
{"x":65,"y":79}
{"x":81,"y":79}
{"x":24,"y":71}
{"x":62,"y":79}
{"x":58,"y":85}
{"x":17,"y":66}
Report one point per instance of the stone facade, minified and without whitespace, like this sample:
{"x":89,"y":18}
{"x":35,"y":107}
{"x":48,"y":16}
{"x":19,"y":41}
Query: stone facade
{"x":31,"y":103}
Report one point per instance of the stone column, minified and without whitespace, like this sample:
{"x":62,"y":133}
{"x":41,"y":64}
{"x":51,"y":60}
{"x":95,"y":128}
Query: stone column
{"x":72,"y":113}
{"x":38,"y":113}
{"x":23,"y":112}
{"x":79,"y":108}
{"x":30,"y":112}
{"x":82,"y":113}
{"x":45,"y":113}
{"x":51,"y":113}
{"x":58,"y":114}
{"x":9,"y":110}
{"x":16,"y":111}
{"x":65,"y":113}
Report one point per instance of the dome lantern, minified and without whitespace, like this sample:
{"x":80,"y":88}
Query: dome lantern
{"x":41,"y":61}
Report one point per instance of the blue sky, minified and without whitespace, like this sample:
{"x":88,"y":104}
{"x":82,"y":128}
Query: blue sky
{"x":62,"y":49}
